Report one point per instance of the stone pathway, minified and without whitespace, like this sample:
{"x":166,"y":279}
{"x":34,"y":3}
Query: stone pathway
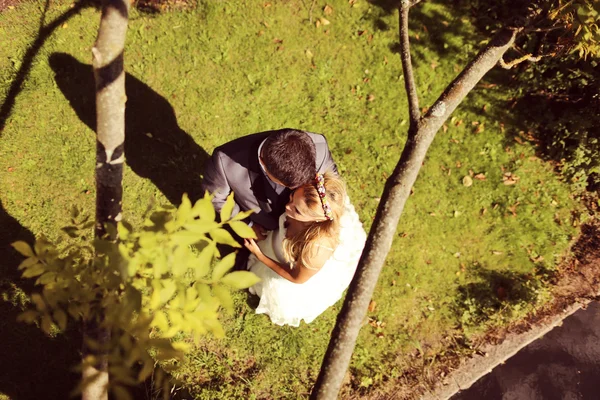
{"x":563,"y":364}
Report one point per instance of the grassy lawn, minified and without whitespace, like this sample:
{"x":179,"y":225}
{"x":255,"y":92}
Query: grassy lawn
{"x":466,"y":257}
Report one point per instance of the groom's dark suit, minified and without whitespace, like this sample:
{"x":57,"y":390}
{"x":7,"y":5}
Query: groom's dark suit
{"x":234,"y":166}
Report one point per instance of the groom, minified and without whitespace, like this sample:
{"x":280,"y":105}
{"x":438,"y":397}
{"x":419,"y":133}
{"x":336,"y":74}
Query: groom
{"x":261,"y":169}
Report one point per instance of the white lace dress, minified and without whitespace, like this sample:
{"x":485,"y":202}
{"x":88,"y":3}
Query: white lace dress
{"x":288,"y":303}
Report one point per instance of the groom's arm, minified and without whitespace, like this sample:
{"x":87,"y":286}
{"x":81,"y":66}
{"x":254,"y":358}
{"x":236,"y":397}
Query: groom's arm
{"x":215,"y":182}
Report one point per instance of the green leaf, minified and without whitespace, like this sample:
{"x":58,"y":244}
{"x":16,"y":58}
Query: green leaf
{"x":204,"y":260}
{"x":187,"y":238}
{"x":28,"y":262}
{"x":168,"y":291}
{"x":123,"y":229}
{"x":227,"y":208}
{"x":61,"y":319}
{"x":34,"y":270}
{"x":223,"y":266}
{"x":46,"y":324}
{"x":204,"y":209}
{"x":222,"y":236}
{"x":222,"y":293}
{"x":28,"y":316}
{"x":160,"y":321}
{"x":201,"y":226}
{"x":184,"y":212}
{"x":240,"y":279}
{"x":46,"y":278}
{"x":146,"y":371}
{"x":23,"y":248}
{"x":242,"y":215}
{"x":242,"y":229}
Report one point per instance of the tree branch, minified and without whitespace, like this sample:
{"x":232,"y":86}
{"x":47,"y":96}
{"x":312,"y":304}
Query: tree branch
{"x":409,"y":80}
{"x":517,"y":61}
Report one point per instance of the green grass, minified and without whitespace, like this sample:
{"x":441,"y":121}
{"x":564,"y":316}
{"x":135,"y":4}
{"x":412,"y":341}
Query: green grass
{"x":464,"y":258}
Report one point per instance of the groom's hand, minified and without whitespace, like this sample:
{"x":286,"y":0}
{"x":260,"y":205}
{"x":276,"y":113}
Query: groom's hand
{"x":260,"y":231}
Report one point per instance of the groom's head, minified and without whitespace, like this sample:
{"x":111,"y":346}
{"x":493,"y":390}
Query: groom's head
{"x":288,"y":157}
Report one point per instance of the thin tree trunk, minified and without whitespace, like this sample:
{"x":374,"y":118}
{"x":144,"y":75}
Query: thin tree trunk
{"x":109,"y":74}
{"x":397,"y":190}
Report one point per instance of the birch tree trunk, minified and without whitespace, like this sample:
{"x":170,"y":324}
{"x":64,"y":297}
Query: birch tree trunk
{"x":422,"y":131}
{"x":109,"y":75}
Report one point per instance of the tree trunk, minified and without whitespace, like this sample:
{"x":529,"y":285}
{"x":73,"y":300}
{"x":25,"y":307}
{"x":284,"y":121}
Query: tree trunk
{"x":397,"y":190}
{"x":109,"y":75}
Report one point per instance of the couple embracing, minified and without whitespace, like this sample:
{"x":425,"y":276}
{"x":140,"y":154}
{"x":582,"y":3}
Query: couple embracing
{"x":309,"y":237}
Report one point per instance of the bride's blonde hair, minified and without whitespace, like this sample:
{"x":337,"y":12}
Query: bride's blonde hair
{"x":301,"y":247}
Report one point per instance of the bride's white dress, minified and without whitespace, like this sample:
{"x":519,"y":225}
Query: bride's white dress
{"x":288,"y":303}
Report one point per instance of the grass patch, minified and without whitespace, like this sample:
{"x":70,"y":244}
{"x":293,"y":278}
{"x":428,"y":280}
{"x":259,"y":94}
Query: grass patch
{"x":465,"y":257}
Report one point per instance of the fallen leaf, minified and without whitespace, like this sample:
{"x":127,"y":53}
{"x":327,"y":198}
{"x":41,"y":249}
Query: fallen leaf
{"x":371,"y":97}
{"x":327,"y":10}
{"x":496,"y":252}
{"x":324,"y":21}
{"x":266,"y":24}
{"x":458,"y":164}
{"x":10,"y":169}
{"x":309,"y":54}
{"x":372,"y":305}
{"x":393,"y":282}
{"x":360,"y":33}
{"x":277,"y":40}
{"x":445,"y":128}
{"x":266,"y":5}
{"x":467,"y":181}
{"x":480,"y":177}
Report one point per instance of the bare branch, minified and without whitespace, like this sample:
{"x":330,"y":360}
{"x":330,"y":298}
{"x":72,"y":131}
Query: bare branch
{"x":409,"y":80}
{"x":517,"y":61}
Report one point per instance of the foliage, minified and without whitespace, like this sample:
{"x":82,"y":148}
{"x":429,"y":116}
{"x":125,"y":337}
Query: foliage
{"x":582,"y":19}
{"x":146,"y":287}
{"x":561,"y":104}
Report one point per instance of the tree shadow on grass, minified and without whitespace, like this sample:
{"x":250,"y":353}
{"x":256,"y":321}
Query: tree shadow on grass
{"x":496,"y":294}
{"x":32,"y":365}
{"x":155,"y":146}
{"x":44,"y":31}
{"x":434,"y":29}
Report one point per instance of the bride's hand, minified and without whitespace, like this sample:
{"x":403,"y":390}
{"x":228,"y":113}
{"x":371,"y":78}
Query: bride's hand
{"x":252,"y":246}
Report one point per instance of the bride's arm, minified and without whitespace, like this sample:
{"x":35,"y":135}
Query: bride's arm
{"x":298,"y":274}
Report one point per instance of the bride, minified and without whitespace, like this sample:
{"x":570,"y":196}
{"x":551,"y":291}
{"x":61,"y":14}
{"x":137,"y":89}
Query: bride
{"x":308,"y":262}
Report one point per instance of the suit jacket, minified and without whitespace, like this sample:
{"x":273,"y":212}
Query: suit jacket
{"x":234,"y":166}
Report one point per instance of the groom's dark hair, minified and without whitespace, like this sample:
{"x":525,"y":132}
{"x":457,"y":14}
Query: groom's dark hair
{"x":289,"y":156}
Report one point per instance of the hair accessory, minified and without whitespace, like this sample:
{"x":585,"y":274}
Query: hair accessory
{"x":320,"y":180}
